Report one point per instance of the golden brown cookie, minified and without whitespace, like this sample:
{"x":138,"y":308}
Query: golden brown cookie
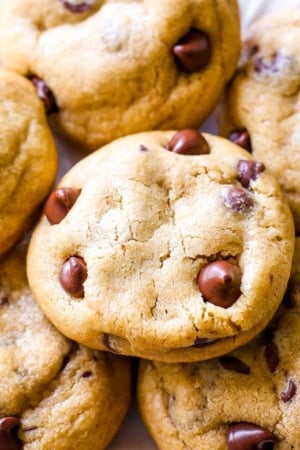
{"x":110,"y":68}
{"x":261,"y":111}
{"x":245,"y":400}
{"x":54,"y":393}
{"x":169,"y":246}
{"x":28,"y":158}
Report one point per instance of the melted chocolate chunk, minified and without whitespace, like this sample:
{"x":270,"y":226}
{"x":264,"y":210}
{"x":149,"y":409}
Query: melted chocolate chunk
{"x":289,"y":391}
{"x":249,"y":170}
{"x":59,"y":203}
{"x":234,"y":364}
{"x":8,"y":434}
{"x":271,"y":354}
{"x":45,"y":94}
{"x":220,"y":283}
{"x":76,"y":8}
{"x":241,"y":138}
{"x":247,"y":436}
{"x":87,"y":374}
{"x":188,"y":142}
{"x":238,"y":199}
{"x":72,"y":276}
{"x":193,"y":51}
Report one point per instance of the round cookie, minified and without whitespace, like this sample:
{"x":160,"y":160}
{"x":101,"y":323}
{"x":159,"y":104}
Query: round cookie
{"x":28,"y":158}
{"x":54,"y":394}
{"x":173,"y":246}
{"x":248,"y":399}
{"x":261,"y":111}
{"x":107,"y":69}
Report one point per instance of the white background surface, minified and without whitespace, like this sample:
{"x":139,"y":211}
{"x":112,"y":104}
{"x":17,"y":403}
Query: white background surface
{"x":133,"y":435}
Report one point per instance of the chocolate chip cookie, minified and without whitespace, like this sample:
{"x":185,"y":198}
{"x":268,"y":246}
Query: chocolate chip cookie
{"x":28,"y":158}
{"x":248,"y":399}
{"x":261,"y":111}
{"x":106,"y":69}
{"x":174,"y":246}
{"x":54,"y":394}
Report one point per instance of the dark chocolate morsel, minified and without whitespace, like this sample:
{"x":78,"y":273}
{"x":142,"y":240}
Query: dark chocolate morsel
{"x":271,"y":354}
{"x":188,"y":142}
{"x":8,"y":434}
{"x":234,"y":364}
{"x":59,"y":203}
{"x":203,"y":342}
{"x":193,"y":51}
{"x":249,"y":170}
{"x":45,"y":94}
{"x":76,"y":8}
{"x":72,"y":276}
{"x":271,"y":64}
{"x":248,"y":436}
{"x":238,"y":199}
{"x":289,"y":391}
{"x":241,"y":138}
{"x":220,"y":283}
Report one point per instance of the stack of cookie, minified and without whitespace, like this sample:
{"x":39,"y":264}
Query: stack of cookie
{"x":165,"y":244}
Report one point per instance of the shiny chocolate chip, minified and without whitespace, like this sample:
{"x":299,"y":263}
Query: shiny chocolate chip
{"x":249,"y":170}
{"x":271,"y":354}
{"x":238,"y":199}
{"x":248,"y":436}
{"x":72,"y":276}
{"x":188,"y":142}
{"x":8,"y":434}
{"x":234,"y":364}
{"x":193,"y":51}
{"x":241,"y":138}
{"x":290,"y":390}
{"x":220,"y":283}
{"x":59,"y":203}
{"x":45,"y":94}
{"x":76,"y":7}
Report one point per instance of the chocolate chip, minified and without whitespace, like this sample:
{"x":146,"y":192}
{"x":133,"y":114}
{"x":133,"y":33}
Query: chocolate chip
{"x":45,"y":94}
{"x":248,"y":436}
{"x":188,"y":142}
{"x":192,"y":52}
{"x":238,"y":199}
{"x":241,"y":138}
{"x":3,"y":299}
{"x":76,"y":8}
{"x":249,"y":170}
{"x":87,"y":374}
{"x":72,"y":276}
{"x":59,"y":203}
{"x":8,"y":434}
{"x":271,"y":354}
{"x":143,"y":148}
{"x":203,"y":342}
{"x":234,"y":364}
{"x":289,"y":392}
{"x":220,"y":283}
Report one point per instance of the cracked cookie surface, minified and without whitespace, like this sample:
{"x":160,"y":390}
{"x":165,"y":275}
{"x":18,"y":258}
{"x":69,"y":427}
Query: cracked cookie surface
{"x":28,"y":158}
{"x":119,"y":67}
{"x":263,"y":100}
{"x":54,"y":393}
{"x":244,"y":400}
{"x":150,"y":251}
